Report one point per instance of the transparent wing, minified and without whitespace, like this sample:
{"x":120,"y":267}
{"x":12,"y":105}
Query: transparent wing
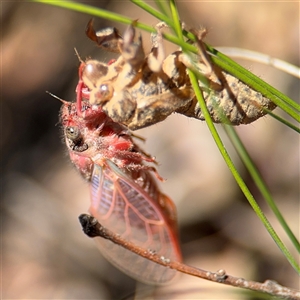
{"x":123,"y":206}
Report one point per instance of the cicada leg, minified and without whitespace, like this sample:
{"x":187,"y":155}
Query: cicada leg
{"x":157,"y":54}
{"x":107,"y":38}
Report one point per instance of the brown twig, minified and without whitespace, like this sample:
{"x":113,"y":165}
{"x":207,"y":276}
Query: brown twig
{"x":93,"y":228}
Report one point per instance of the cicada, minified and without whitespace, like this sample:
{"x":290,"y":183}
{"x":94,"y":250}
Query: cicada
{"x":139,"y":90}
{"x":124,"y":194}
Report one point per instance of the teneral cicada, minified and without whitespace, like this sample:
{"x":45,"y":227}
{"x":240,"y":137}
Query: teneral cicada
{"x":138,"y":90}
{"x":124,"y":194}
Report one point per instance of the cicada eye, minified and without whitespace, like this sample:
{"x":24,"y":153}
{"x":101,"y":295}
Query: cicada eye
{"x":92,"y":72}
{"x":75,"y":139}
{"x":73,"y":133}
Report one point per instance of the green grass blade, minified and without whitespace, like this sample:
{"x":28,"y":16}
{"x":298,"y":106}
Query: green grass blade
{"x":237,"y":176}
{"x":245,"y":157}
{"x":176,"y":20}
{"x":284,"y":102}
{"x":87,"y":9}
{"x":283,"y":121}
{"x":163,"y":7}
{"x":152,"y":11}
{"x":97,"y":12}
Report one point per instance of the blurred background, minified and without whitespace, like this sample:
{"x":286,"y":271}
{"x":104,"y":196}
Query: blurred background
{"x":45,"y":255}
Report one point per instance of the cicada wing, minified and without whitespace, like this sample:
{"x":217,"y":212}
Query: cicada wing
{"x":124,"y":207}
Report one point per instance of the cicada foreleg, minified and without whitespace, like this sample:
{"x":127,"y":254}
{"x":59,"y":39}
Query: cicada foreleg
{"x":157,"y":54}
{"x":107,"y":38}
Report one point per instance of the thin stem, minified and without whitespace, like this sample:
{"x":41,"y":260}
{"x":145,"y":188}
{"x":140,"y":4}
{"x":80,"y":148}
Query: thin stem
{"x":93,"y":228}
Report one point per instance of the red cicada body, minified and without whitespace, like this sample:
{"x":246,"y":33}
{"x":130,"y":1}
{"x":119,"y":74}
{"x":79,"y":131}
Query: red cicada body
{"x":124,"y":195}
